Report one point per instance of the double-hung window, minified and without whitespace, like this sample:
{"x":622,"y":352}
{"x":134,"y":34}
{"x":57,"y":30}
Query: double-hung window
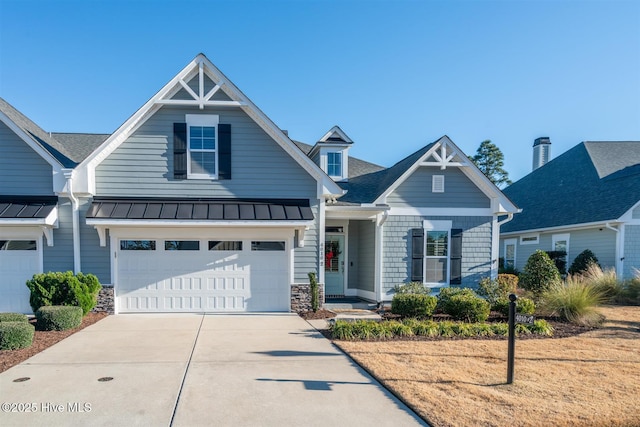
{"x":436,"y":267}
{"x":334,"y":164}
{"x":202,"y":137}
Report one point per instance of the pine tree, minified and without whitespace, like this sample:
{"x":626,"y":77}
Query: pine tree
{"x":490,"y":160}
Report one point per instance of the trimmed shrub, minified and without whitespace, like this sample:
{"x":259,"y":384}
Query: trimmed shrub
{"x":58,"y":317}
{"x":469,"y":308}
{"x":446,"y":294}
{"x":15,"y":335}
{"x":574,"y":301}
{"x":412,"y":288}
{"x":413,"y":305}
{"x":539,"y":273}
{"x":582,"y":262}
{"x":523,"y":305}
{"x":498,"y":288}
{"x":559,"y":258}
{"x":50,"y":289}
{"x":313,"y":288}
{"x":13,"y":317}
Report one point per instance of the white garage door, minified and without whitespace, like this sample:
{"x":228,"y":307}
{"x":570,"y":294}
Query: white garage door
{"x":19,"y":261}
{"x":162,"y":275}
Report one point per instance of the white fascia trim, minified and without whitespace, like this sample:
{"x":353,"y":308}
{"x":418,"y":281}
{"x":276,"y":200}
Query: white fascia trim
{"x":441,"y":211}
{"x":355,"y":212}
{"x":628,"y":215}
{"x":50,"y":221}
{"x":340,"y":132}
{"x":571,"y":227}
{"x":188,"y":223}
{"x":55,"y":164}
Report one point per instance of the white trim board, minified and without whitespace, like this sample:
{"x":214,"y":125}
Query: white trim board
{"x":485,"y":212}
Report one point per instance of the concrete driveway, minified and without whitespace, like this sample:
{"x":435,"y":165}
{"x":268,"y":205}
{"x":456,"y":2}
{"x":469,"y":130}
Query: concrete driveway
{"x":192,"y":370}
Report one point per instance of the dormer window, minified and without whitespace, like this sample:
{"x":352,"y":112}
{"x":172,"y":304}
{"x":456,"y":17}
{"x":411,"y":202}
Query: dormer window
{"x":334,"y":164}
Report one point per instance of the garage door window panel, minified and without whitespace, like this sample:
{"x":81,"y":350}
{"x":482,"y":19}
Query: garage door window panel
{"x":267,"y":246}
{"x":137,"y":245}
{"x":18,"y":245}
{"x":181,"y":245}
{"x":225,"y":245}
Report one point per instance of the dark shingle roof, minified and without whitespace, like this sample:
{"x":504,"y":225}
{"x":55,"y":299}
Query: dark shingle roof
{"x":43,"y":138}
{"x":357,"y":166}
{"x":80,"y":145}
{"x":592,"y":182}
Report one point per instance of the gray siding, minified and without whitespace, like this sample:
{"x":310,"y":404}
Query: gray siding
{"x":22,"y":170}
{"x":354,"y":259}
{"x":459,"y":191}
{"x":631,"y":266}
{"x":306,"y":258}
{"x":365,"y":267}
{"x":602,"y":242}
{"x":59,"y":257}
{"x":635,"y":214}
{"x":476,"y":249}
{"x":94,"y":258}
{"x":143,"y":165}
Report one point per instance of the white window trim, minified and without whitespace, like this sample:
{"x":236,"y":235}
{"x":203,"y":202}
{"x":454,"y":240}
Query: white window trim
{"x":341,"y":164}
{"x":513,"y":242}
{"x":437,"y":183}
{"x":530,"y":242}
{"x":559,"y":237}
{"x":209,"y":120}
{"x":428,"y":225}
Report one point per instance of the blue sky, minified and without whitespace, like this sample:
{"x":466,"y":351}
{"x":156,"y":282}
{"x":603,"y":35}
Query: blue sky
{"x":394,"y":75}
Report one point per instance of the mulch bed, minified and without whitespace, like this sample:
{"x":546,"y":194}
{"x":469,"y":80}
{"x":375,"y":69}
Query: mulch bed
{"x":43,"y":340}
{"x":320,"y":314}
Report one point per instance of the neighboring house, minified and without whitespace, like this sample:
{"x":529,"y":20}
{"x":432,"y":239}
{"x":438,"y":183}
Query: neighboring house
{"x":587,"y":198}
{"x":200,"y":203}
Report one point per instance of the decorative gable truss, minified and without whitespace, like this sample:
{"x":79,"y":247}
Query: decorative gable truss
{"x":200,"y":84}
{"x":445,"y":155}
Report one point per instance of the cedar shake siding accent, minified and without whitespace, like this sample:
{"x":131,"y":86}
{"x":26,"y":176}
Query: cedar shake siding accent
{"x":631,"y":250}
{"x":22,"y":170}
{"x":459,"y":191}
{"x":143,"y":165}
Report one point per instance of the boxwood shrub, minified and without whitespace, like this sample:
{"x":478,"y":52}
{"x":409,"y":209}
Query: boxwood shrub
{"x":58,"y":317}
{"x":523,"y":306}
{"x":15,"y":335}
{"x":55,"y":288}
{"x":413,"y":305}
{"x":463,"y":304}
{"x":13,"y":317}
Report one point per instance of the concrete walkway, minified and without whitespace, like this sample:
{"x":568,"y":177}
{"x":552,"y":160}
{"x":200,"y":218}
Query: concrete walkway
{"x":195,"y":370}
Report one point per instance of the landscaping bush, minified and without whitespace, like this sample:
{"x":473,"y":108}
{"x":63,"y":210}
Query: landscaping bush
{"x":446,"y":293}
{"x":58,"y":317}
{"x":559,"y":258}
{"x":604,"y":281}
{"x":313,"y":288}
{"x":13,"y":317}
{"x":49,"y":289}
{"x":15,"y":335}
{"x":539,"y":273}
{"x":573,"y":301}
{"x":523,"y":306}
{"x":470,"y":308}
{"x":412,"y":288}
{"x":582,"y":262}
{"x":498,"y":288}
{"x":413,"y":305}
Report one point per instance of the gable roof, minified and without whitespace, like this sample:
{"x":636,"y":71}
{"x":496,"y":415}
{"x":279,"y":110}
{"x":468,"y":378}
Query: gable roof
{"x":179,"y":92}
{"x":592,"y":182}
{"x":79,"y":145}
{"x":42,"y":142}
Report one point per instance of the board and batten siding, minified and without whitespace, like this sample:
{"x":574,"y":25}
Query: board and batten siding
{"x":476,"y":249}
{"x":22,"y":170}
{"x":59,"y":257}
{"x":95,"y":259}
{"x":143,"y":165}
{"x":459,"y":191}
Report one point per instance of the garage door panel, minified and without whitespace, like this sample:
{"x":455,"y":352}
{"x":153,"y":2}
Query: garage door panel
{"x":17,"y":266}
{"x":202,"y":280}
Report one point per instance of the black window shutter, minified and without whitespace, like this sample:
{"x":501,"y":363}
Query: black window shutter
{"x":417,"y":254}
{"x":180,"y":150}
{"x":456,"y":256}
{"x":224,"y":151}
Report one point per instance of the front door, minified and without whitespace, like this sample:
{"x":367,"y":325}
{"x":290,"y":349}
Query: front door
{"x":334,"y":265}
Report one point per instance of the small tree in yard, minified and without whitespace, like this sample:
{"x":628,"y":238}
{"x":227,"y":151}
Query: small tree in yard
{"x":539,"y":273}
{"x":582,"y":262}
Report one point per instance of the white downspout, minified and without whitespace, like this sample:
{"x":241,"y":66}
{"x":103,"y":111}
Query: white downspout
{"x":495,"y":243}
{"x":75,"y":214}
{"x":619,"y":250}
